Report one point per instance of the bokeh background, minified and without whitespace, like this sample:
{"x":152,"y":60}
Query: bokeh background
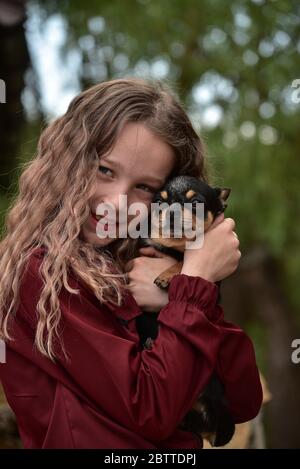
{"x":235,"y":66}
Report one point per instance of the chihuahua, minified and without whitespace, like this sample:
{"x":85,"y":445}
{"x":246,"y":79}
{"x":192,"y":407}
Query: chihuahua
{"x":209,"y":416}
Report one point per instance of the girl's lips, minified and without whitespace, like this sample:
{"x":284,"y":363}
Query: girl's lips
{"x":107,"y":225}
{"x":95,"y":217}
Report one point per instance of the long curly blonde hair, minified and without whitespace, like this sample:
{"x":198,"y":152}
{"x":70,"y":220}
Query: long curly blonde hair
{"x":56,"y":185}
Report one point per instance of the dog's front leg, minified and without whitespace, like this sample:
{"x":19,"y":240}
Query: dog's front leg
{"x":163,"y":280}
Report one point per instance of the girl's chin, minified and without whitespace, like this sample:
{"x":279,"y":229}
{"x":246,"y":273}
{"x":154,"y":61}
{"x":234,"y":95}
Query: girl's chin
{"x":102,"y":242}
{"x":92,"y":238}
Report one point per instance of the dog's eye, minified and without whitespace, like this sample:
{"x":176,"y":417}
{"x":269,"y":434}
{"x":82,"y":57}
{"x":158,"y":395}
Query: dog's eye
{"x":197,"y":200}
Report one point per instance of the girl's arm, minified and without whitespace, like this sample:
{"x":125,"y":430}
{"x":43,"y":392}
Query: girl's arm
{"x":150,"y":391}
{"x":235,"y":362}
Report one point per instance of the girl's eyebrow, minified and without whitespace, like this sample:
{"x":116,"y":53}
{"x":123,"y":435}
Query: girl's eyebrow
{"x":119,"y":165}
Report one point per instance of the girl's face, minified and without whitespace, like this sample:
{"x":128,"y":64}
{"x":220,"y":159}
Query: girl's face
{"x":137,"y":166}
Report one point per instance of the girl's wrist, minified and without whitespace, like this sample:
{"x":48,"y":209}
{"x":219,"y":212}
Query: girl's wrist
{"x":198,"y":272}
{"x":161,"y":300}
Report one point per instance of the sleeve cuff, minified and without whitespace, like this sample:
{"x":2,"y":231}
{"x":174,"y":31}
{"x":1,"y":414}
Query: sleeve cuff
{"x":194,"y":290}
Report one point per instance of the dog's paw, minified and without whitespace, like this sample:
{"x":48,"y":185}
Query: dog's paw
{"x":161,"y":283}
{"x":148,"y":345}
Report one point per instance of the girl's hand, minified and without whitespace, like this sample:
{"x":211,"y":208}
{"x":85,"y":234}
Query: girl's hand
{"x":219,"y":255}
{"x":141,"y":272}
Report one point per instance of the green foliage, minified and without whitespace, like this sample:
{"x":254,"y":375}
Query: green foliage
{"x":3,"y":209}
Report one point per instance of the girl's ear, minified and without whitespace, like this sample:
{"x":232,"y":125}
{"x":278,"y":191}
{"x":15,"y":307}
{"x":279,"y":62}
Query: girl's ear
{"x":223,"y":193}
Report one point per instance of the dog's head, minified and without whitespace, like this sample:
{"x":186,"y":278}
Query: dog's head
{"x":190,"y":191}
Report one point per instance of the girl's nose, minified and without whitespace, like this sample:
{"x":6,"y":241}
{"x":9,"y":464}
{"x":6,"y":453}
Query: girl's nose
{"x":117,"y":202}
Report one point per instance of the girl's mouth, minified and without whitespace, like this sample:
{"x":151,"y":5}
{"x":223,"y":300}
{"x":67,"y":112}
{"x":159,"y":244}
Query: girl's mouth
{"x":106,"y":225}
{"x":96,"y":217}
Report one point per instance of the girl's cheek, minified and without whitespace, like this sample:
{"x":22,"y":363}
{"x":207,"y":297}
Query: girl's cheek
{"x":146,"y":204}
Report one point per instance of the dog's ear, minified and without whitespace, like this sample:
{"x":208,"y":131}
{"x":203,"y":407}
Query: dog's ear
{"x":223,"y":193}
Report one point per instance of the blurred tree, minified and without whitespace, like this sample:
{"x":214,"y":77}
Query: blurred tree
{"x":14,"y":63}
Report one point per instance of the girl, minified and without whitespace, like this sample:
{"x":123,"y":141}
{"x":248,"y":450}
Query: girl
{"x":75,"y":375}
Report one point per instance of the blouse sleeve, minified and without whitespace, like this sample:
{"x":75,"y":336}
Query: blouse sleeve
{"x":235,"y":361}
{"x":150,"y":391}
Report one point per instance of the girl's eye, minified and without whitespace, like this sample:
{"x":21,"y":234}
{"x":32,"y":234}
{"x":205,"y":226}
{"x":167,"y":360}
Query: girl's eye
{"x":152,"y":190}
{"x":106,"y":171}
{"x":103,"y":169}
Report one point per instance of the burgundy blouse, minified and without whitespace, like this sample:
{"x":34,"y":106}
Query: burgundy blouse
{"x":110,"y":394}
